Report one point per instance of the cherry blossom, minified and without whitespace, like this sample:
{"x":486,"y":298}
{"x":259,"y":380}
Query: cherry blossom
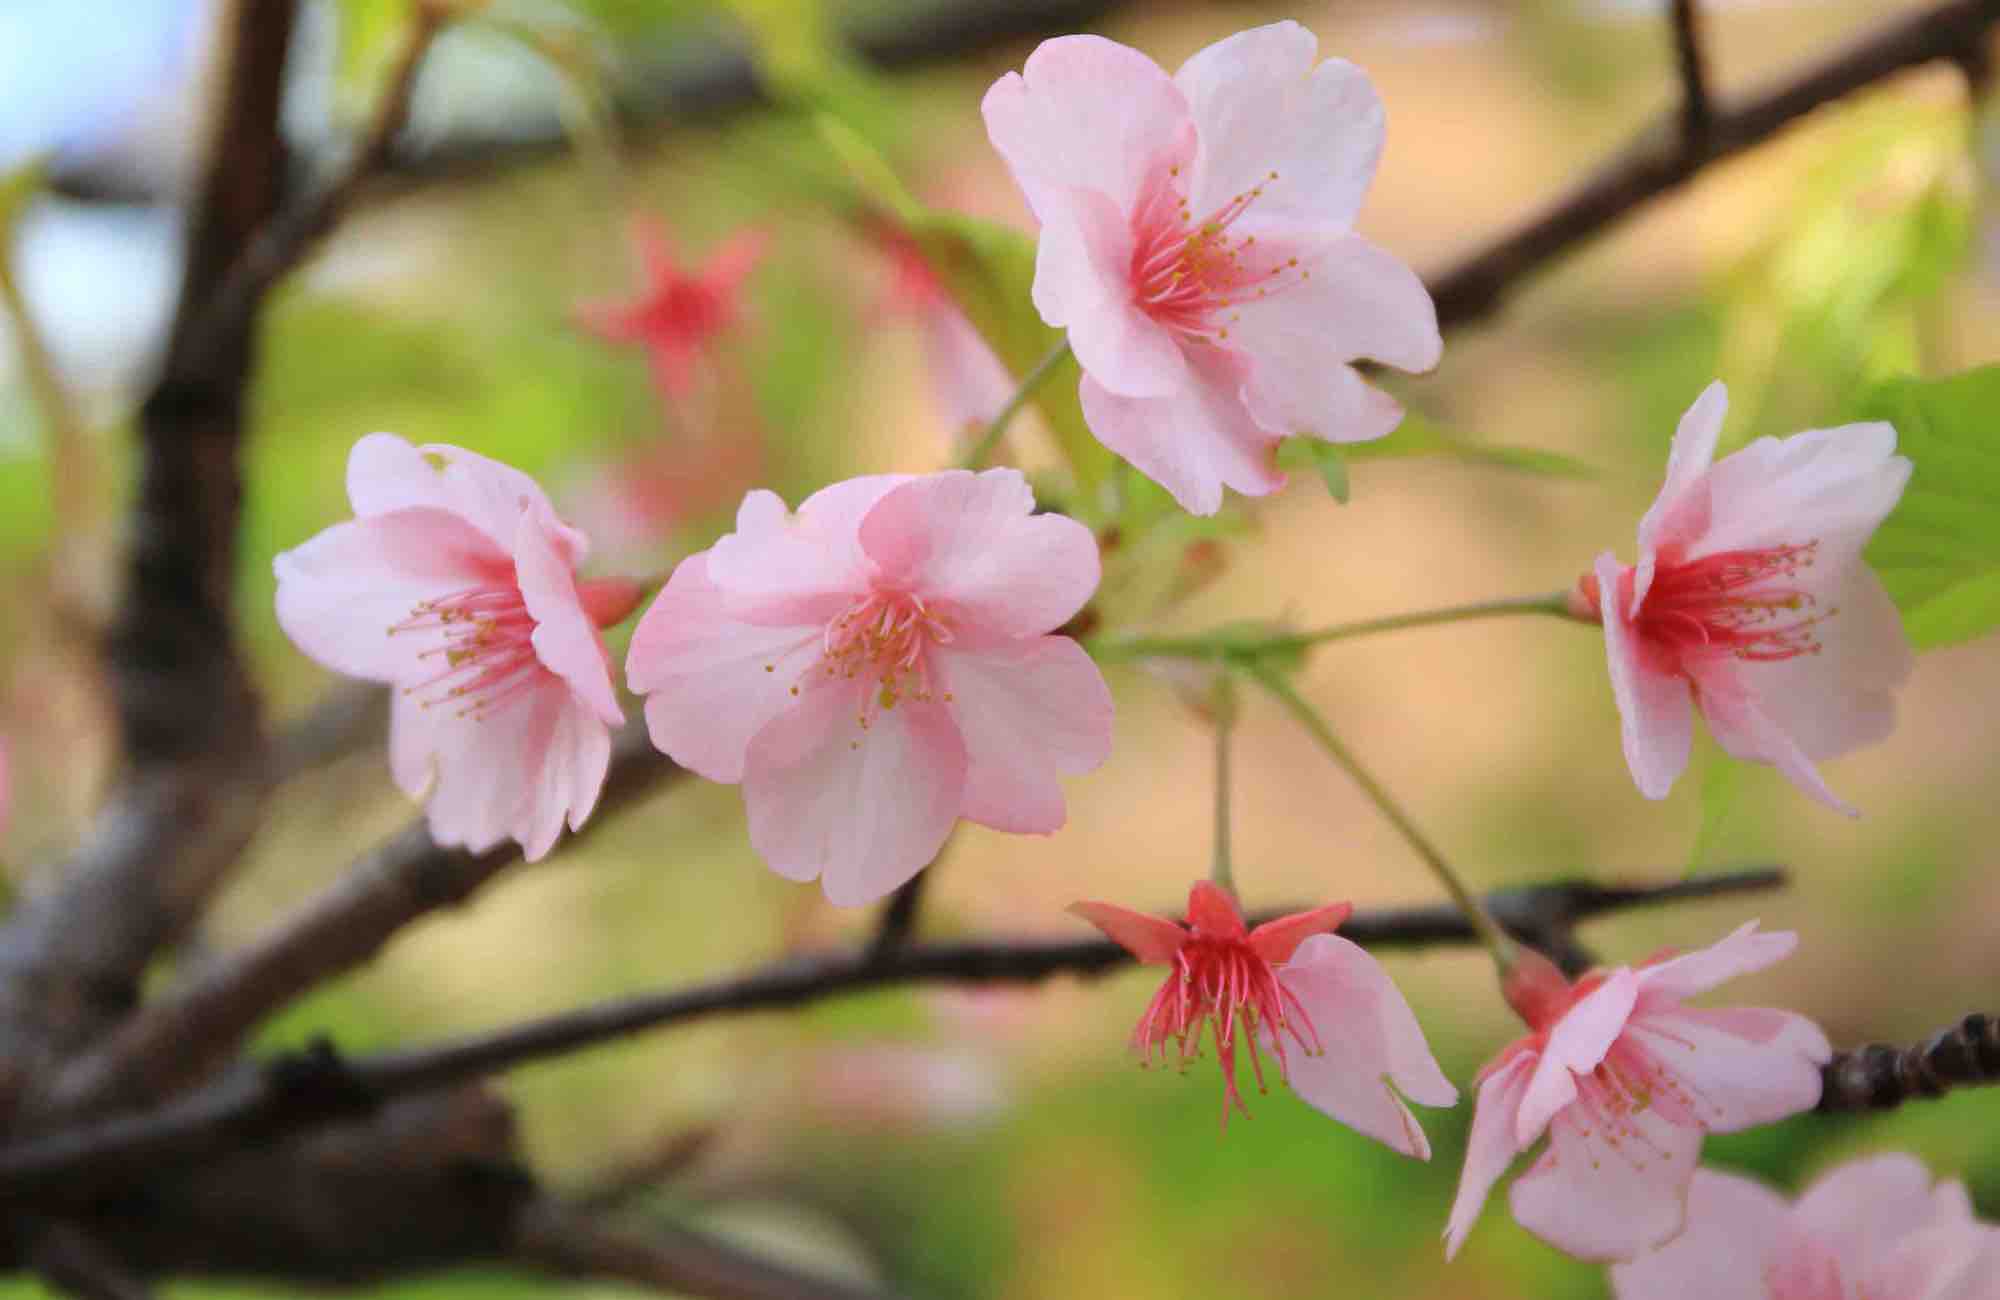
{"x":1197,"y":244}
{"x":6,"y":787}
{"x":1751,"y":604}
{"x":1872,"y":1229}
{"x":1626,"y":1081}
{"x":455,"y":583}
{"x":878,"y":665}
{"x":1340,"y":1030}
{"x":680,"y":312}
{"x":968,"y":380}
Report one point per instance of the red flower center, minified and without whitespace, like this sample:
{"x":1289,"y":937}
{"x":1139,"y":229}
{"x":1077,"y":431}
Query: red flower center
{"x":884,"y":635}
{"x":1190,"y":274}
{"x":483,"y":654}
{"x":1223,"y":983}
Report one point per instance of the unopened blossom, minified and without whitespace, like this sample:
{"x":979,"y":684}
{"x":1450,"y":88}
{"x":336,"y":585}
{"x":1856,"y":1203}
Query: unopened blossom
{"x":1751,"y":604}
{"x":1336,"y":1026}
{"x":456,"y":584}
{"x":680,"y":311}
{"x":1197,"y":244}
{"x":1872,"y":1229}
{"x":1625,"y":1081}
{"x":969,"y":381}
{"x":878,"y":665}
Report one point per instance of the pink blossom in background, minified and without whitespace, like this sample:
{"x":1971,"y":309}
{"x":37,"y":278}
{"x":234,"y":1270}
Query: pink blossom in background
{"x":969,"y":382}
{"x":1339,"y":1029}
{"x":1626,"y":1081}
{"x":6,"y":787}
{"x":1872,"y":1229}
{"x":1197,"y":243}
{"x":878,"y":665}
{"x":1750,"y":603}
{"x":680,"y":312}
{"x":455,"y":583}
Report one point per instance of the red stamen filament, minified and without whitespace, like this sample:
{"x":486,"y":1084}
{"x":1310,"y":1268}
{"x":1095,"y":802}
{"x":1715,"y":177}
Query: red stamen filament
{"x":1187,"y":273}
{"x":1226,"y":986}
{"x":885,"y":635}
{"x":483,"y":657}
{"x":1747,"y":604}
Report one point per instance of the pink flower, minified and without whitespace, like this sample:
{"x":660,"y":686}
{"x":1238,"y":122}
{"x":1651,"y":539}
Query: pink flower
{"x":680,"y":313}
{"x":6,"y":787}
{"x":1750,"y":603}
{"x":1197,"y":243}
{"x":1873,"y":1229}
{"x":1354,"y":1043}
{"x":455,"y":583}
{"x":969,"y":381}
{"x":877,"y":666}
{"x":1626,"y":1081}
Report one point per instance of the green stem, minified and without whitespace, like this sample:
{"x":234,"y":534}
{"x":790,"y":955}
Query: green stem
{"x":1221,"y":870}
{"x":1503,"y":948}
{"x":72,"y":475}
{"x":990,"y":439}
{"x":1237,"y":642}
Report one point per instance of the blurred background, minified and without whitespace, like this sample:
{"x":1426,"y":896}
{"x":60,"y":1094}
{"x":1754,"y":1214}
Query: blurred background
{"x":1005,"y":1144}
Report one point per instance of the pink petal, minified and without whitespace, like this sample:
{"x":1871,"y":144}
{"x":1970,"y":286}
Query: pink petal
{"x":341,"y":593}
{"x":1194,"y":443}
{"x":1086,"y":112}
{"x":565,"y":639}
{"x":1655,"y":720}
{"x":1740,"y":725}
{"x":517,"y":771}
{"x":1149,"y":938}
{"x":1261,"y":107}
{"x":1491,"y":1146}
{"x":970,"y":543}
{"x":1276,"y":941}
{"x":712,"y":683}
{"x":968,"y":380}
{"x":1576,"y":1045}
{"x":1212,"y":911}
{"x":1083,"y":283}
{"x":1028,"y":712}
{"x":1840,"y":697}
{"x":6,"y":787}
{"x":385,"y":473}
{"x":1864,"y":1207}
{"x":863,"y":810}
{"x":1681,"y":512}
{"x":1732,"y":1226}
{"x":731,"y":262}
{"x":1608,"y":1188}
{"x":1744,"y":950}
{"x":1942,"y":1262}
{"x":1834,"y":486}
{"x":1727,"y":1081}
{"x":788,"y":569}
{"x":1373,"y":1045}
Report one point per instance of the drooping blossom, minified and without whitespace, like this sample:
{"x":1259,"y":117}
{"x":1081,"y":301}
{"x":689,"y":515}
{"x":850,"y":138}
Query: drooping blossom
{"x":1750,"y":603}
{"x":878,"y":665}
{"x":1197,"y":244}
{"x":1626,"y":1081}
{"x":969,"y":382}
{"x":680,"y":311}
{"x":1873,"y":1229}
{"x":1340,"y":1031}
{"x":456,"y":584}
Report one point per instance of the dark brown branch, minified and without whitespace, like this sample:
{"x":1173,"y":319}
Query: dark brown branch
{"x":182,"y":1035}
{"x":1878,"y":1077}
{"x":350,"y":716}
{"x":899,"y":915}
{"x":1696,"y":107}
{"x":1665,"y":156}
{"x":75,"y":1262}
{"x":671,"y":1259}
{"x":258,"y":1100}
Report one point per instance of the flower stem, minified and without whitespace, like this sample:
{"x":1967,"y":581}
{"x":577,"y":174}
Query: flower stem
{"x":1240,"y":643}
{"x":1221,"y":870}
{"x":1505,"y":951}
{"x":990,"y":438}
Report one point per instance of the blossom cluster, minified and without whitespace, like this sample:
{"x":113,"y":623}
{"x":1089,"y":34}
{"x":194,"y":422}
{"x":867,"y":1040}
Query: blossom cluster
{"x":895,"y":656}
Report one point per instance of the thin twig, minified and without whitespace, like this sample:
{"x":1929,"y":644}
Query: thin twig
{"x":899,"y":917}
{"x":1696,"y":107}
{"x":1877,"y":1077}
{"x":1031,"y":383}
{"x":668,"y":1258}
{"x":292,"y":1092}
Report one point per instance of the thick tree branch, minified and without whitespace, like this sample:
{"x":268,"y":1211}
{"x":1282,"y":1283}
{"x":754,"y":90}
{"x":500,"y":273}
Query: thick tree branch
{"x":255,"y":1101}
{"x":75,"y":1262}
{"x":671,"y":1259}
{"x":1878,"y":1077}
{"x":182,"y":1035}
{"x":1666,"y":155}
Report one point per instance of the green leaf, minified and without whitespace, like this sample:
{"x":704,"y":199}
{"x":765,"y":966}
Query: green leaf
{"x":1721,"y":789}
{"x":370,"y":32}
{"x":1316,"y":454}
{"x":1418,"y":435}
{"x":1938,"y":553}
{"x":989,"y":271}
{"x":19,"y":186}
